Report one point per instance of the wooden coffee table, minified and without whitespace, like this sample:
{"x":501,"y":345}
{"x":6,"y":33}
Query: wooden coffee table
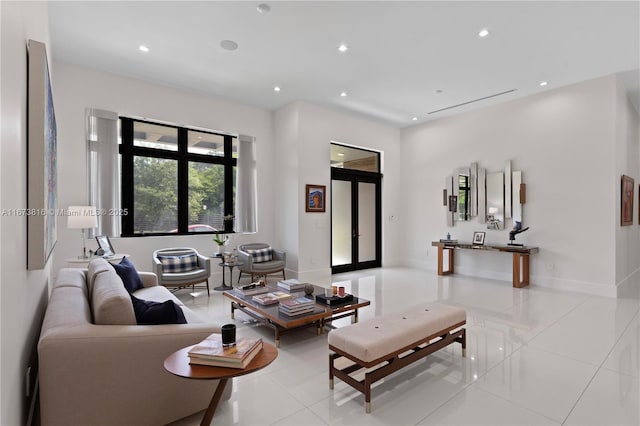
{"x":270,"y":316}
{"x":178,"y":363}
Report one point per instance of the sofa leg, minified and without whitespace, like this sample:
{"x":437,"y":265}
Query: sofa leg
{"x":208,"y":294}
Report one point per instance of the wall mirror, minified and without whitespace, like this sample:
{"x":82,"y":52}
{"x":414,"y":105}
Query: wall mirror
{"x":516,"y":181}
{"x":463,"y":186}
{"x":495,"y":200}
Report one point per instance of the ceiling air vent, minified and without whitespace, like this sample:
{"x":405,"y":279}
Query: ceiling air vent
{"x":470,"y":102}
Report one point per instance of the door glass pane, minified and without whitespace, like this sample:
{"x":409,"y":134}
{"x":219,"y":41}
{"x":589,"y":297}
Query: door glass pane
{"x":366,"y":221}
{"x":340,"y":222}
{"x":206,"y":197}
{"x":155,"y":205}
{"x":155,"y":136}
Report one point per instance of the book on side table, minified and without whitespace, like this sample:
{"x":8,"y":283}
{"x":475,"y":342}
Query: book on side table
{"x":211,"y":352}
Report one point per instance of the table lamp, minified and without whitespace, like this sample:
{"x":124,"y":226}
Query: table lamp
{"x":82,"y":217}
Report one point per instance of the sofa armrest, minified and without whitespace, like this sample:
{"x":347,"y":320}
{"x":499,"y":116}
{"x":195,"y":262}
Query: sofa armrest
{"x":84,"y":367}
{"x":157,"y":266}
{"x":246,"y":259}
{"x":149,"y":279}
{"x":279,"y":255}
{"x":204,"y":263}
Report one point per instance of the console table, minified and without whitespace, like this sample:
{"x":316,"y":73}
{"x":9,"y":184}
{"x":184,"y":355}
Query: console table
{"x":520,"y":256}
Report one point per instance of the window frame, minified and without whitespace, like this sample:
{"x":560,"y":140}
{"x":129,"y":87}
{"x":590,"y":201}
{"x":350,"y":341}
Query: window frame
{"x":183,"y":157}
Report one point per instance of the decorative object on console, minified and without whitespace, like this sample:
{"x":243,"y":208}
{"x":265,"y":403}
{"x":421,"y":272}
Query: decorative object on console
{"x":515,"y":231}
{"x":626,"y":201}
{"x":42,"y":159}
{"x":478,"y":238}
{"x":82,"y":217}
{"x":308,"y":289}
{"x":315,"y":199}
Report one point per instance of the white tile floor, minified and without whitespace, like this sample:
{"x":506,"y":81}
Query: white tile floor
{"x":534,"y":357}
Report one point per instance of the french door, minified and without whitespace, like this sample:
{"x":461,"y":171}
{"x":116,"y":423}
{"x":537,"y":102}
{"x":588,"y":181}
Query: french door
{"x":356,"y":225}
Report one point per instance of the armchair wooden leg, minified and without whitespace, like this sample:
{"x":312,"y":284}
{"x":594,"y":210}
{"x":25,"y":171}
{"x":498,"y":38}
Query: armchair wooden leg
{"x":208,"y":294}
{"x":239,"y":275}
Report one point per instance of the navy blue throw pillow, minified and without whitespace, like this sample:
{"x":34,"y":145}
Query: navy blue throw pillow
{"x":152,"y":313}
{"x":128,"y":274}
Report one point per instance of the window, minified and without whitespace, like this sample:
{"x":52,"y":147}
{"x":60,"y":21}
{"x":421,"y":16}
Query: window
{"x":176,"y":179}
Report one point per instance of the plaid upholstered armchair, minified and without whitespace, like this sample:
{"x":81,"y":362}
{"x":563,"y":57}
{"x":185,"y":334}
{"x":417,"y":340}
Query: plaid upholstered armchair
{"x":260,"y":259}
{"x":181,"y":267}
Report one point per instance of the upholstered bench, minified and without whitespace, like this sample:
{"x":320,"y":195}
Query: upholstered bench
{"x":387,"y":343}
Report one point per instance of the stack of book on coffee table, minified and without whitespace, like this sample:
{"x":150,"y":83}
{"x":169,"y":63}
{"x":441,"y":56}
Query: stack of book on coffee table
{"x":211,"y":352}
{"x":296,"y":306}
{"x":291,"y":284}
{"x":271,"y":298}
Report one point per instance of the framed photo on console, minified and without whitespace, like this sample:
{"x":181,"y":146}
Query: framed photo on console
{"x":478,"y":238}
{"x":105,"y":245}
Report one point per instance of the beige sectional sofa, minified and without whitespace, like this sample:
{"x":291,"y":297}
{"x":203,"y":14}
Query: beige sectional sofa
{"x":97,"y":367}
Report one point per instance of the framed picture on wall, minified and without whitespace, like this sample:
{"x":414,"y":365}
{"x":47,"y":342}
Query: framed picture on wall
{"x":41,"y":159}
{"x":626,"y":200}
{"x":316,"y":198}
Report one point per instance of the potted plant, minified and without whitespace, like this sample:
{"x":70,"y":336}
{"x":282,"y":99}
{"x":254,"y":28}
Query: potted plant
{"x":221,"y":240}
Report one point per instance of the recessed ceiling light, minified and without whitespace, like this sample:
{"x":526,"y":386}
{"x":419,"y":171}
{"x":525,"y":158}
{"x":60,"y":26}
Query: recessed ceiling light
{"x":143,"y":48}
{"x":228,"y":45}
{"x":483,"y":32}
{"x":276,"y":89}
{"x":415,"y":118}
{"x":341,"y":154}
{"x":543,"y":83}
{"x":343,"y":94}
{"x":263,"y":8}
{"x":343,"y":47}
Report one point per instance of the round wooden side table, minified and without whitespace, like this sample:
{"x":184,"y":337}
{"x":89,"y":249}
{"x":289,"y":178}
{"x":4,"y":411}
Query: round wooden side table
{"x":178,"y":363}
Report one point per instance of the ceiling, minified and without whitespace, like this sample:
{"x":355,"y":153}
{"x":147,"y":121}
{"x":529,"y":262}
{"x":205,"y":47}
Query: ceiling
{"x":421,"y":59}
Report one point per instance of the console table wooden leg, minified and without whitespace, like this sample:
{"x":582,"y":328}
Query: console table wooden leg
{"x":441,"y":270}
{"x":518,"y":259}
{"x":208,"y":416}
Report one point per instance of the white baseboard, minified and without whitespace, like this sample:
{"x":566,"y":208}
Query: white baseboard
{"x":630,"y":286}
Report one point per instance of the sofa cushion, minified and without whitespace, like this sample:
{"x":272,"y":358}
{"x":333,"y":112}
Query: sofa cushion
{"x":127,"y":272}
{"x":96,"y":267}
{"x":183,"y":263}
{"x":110,"y":301}
{"x":150,"y":313}
{"x":261,"y":255}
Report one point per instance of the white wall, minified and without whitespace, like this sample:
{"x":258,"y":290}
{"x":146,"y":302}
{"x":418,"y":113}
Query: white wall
{"x":563,"y":141}
{"x":316,"y":128}
{"x":83,"y":87}
{"x":285,"y":181}
{"x":23,"y":293}
{"x":627,"y":163}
